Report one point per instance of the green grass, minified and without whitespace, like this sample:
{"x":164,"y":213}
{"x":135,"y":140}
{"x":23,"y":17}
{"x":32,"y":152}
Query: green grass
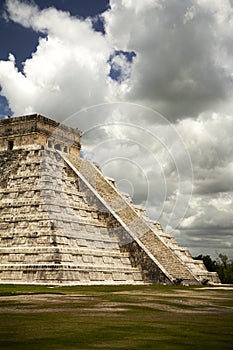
{"x":115,"y":317}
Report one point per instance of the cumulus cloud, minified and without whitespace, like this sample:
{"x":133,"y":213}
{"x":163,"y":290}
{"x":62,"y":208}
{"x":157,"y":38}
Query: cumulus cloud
{"x":209,"y":141}
{"x":68,"y":71}
{"x":183,"y":62}
{"x":209,"y":219}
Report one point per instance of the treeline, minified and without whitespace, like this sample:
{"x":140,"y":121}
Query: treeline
{"x":222,"y":265}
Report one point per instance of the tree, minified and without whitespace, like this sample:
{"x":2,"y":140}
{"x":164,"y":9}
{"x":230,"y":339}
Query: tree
{"x":208,"y":262}
{"x":223,"y":266}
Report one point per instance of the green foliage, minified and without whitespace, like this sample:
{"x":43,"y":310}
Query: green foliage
{"x":223,"y":266}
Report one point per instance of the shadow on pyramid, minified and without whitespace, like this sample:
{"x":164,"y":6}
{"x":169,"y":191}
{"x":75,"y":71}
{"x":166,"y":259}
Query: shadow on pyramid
{"x":63,"y":222}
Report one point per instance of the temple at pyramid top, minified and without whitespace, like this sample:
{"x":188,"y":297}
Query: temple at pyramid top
{"x":63,"y":222}
{"x":35,"y":129}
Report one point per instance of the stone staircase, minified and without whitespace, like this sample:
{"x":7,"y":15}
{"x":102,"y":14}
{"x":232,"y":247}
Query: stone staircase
{"x":139,"y":233}
{"x":196,"y":266}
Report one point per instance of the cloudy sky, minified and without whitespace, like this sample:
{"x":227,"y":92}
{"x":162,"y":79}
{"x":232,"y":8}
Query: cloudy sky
{"x":150,"y":84}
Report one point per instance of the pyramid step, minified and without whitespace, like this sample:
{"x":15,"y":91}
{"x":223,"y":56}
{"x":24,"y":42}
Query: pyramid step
{"x":63,"y":273}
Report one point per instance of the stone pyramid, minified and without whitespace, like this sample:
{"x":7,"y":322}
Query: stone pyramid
{"x":63,"y":222}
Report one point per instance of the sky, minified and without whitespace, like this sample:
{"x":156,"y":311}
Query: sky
{"x":150,"y":84}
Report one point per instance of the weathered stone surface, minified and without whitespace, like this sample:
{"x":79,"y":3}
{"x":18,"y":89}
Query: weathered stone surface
{"x":63,"y":222}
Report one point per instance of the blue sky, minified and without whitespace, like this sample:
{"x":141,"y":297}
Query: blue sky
{"x":150,"y":84}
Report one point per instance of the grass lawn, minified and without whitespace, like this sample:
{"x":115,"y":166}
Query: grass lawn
{"x":115,"y":317}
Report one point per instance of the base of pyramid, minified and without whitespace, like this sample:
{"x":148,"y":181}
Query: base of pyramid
{"x":67,"y":275}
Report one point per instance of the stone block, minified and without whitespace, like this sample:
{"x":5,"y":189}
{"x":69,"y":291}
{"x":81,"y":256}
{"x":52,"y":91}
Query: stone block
{"x":96,"y":276}
{"x":88,"y":259}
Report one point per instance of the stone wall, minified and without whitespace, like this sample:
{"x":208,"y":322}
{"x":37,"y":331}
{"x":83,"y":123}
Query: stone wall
{"x":20,"y":132}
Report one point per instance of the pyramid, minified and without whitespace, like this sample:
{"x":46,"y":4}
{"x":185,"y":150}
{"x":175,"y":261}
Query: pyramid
{"x":62,"y":222}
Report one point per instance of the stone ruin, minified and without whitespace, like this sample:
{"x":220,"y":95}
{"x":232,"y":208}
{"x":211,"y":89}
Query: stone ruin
{"x":62,"y":222}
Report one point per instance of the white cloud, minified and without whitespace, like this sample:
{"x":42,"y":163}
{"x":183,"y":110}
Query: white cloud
{"x":183,"y":63}
{"x":209,"y":219}
{"x":68,"y":71}
{"x":183,"y":52}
